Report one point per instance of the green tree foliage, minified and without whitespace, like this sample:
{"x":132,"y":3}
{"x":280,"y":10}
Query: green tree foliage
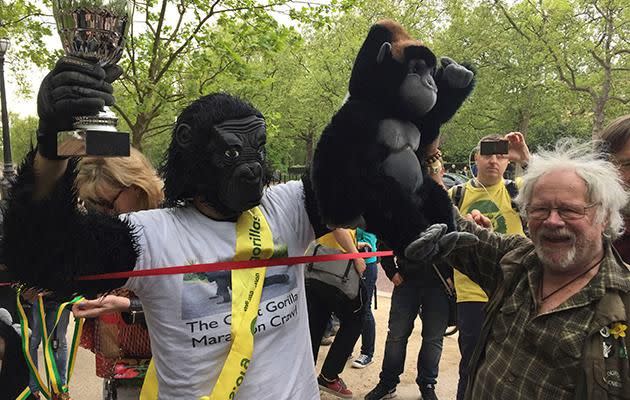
{"x":587,"y":43}
{"x":22,"y":135}
{"x":181,"y":50}
{"x":24,"y":23}
{"x":521,"y":85}
{"x":548,"y":69}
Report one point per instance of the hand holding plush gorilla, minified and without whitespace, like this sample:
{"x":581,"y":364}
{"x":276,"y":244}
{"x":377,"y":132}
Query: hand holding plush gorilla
{"x":368,"y":162}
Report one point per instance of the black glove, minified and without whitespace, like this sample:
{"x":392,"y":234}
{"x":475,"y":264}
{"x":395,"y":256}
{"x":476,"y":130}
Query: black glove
{"x":455,"y":74}
{"x":73,"y":88}
{"x":434,"y":243}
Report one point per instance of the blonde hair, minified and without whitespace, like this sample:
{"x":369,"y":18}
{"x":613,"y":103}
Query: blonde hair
{"x":120,"y":172}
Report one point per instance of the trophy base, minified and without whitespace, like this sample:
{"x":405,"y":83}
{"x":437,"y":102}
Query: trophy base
{"x":81,"y":143}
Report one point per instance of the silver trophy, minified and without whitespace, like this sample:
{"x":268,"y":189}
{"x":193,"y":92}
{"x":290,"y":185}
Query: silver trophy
{"x":93,"y":30}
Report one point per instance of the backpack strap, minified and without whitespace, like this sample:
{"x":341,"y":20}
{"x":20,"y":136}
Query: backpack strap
{"x":458,"y":195}
{"x":512,"y":189}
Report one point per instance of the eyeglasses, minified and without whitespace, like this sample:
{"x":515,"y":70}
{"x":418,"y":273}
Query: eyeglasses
{"x":567,"y":213}
{"x":103,"y":204}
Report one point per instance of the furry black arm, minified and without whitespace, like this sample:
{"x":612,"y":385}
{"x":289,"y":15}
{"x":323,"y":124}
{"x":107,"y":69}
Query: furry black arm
{"x":48,"y":243}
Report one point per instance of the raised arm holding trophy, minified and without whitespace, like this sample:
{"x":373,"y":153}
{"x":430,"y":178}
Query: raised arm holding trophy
{"x":92,"y":32}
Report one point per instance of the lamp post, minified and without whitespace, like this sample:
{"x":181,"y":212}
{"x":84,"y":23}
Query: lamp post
{"x":8,"y":171}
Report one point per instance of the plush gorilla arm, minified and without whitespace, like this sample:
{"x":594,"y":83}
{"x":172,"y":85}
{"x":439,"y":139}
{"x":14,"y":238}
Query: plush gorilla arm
{"x":339,"y":171}
{"x":454,"y":84}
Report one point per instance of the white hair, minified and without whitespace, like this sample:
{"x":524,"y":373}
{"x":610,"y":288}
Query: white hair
{"x":603,"y":183}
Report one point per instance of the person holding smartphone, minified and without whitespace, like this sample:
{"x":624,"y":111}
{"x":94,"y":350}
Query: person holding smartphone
{"x":492,"y":195}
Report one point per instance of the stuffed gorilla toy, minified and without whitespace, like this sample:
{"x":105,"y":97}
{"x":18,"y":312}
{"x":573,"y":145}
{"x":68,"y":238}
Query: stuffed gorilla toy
{"x":368,"y":164}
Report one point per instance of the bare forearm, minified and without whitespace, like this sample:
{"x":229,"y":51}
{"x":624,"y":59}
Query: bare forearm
{"x":343,"y":237}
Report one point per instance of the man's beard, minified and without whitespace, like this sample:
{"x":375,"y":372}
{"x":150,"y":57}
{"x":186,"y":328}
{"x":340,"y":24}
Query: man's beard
{"x":550,"y":257}
{"x":625,"y":211}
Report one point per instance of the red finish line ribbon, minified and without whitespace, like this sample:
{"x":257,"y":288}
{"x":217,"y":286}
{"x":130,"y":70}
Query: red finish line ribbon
{"x":230,"y":265}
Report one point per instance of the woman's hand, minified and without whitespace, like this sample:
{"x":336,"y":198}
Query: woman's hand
{"x":103,"y":305}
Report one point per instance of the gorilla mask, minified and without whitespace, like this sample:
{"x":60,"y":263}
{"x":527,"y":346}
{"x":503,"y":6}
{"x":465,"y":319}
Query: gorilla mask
{"x":217,"y":154}
{"x":238,"y":152}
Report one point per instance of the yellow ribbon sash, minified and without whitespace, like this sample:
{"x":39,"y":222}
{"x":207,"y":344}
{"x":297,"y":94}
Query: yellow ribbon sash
{"x":253,"y":242}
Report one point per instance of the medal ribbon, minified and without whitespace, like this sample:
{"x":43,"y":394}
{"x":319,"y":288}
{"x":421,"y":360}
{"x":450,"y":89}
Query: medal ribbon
{"x":52,"y":371}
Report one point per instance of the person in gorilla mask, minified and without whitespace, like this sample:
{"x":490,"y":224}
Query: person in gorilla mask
{"x":220,"y":208}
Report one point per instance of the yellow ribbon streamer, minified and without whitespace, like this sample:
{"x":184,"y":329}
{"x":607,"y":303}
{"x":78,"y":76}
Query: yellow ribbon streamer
{"x":54,"y":383}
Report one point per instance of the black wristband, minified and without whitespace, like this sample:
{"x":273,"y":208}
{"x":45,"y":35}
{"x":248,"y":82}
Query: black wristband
{"x":135,"y":305}
{"x":135,"y":313}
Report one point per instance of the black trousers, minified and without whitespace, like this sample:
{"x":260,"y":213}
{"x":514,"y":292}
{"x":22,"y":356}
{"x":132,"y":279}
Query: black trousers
{"x":322,"y":301}
{"x":470,"y":316}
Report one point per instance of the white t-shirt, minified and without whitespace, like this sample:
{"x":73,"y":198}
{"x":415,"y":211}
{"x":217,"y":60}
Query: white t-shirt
{"x":188,"y":315}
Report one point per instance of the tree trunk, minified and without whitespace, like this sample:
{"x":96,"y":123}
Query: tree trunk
{"x":599,"y":106}
{"x":138,"y":130}
{"x":524,"y":120}
{"x":310,"y":138}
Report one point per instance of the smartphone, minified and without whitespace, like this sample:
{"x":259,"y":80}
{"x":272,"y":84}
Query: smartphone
{"x":493,"y":147}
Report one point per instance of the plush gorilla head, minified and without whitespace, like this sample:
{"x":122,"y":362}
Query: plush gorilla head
{"x":396,"y":71}
{"x":217,"y":153}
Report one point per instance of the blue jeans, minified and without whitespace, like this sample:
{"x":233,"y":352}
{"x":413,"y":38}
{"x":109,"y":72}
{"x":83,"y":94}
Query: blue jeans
{"x":61,"y":353}
{"x":368,"y":333}
{"x":407,"y":299}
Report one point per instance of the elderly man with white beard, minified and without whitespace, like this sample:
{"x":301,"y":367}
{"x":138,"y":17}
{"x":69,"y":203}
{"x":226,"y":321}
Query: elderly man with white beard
{"x":557,"y":318}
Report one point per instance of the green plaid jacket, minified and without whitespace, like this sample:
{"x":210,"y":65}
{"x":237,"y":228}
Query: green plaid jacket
{"x":522,"y":355}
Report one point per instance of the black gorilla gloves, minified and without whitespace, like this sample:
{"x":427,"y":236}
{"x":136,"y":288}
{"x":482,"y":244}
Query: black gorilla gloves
{"x":73,"y":88}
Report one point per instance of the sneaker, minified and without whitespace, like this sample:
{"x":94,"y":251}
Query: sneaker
{"x":428,"y":392}
{"x":362,"y":361}
{"x":380,"y":392}
{"x":335,"y":387}
{"x":327,"y":340}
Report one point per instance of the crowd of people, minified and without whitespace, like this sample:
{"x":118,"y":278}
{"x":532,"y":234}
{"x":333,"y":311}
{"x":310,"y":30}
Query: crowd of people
{"x":538,"y":264}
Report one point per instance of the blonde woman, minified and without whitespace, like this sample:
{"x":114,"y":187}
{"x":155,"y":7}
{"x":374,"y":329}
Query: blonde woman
{"x":117,"y":185}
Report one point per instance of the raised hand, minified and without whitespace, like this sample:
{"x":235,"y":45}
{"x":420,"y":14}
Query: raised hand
{"x":73,"y":88}
{"x":518,"y":150}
